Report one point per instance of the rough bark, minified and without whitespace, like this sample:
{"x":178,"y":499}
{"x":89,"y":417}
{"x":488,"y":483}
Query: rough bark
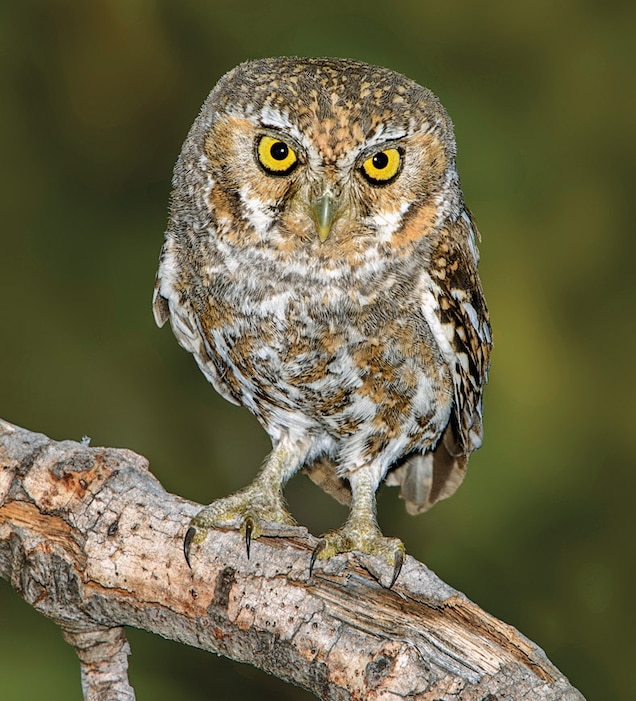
{"x":90,"y":539}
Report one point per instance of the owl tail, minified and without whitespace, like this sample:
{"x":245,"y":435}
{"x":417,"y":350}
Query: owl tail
{"x":426,"y":479}
{"x":423,"y":479}
{"x":323,"y":473}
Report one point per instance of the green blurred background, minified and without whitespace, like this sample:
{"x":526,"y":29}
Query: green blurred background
{"x":96,"y":100}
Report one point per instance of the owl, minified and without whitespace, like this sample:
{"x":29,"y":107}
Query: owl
{"x":321,"y":266}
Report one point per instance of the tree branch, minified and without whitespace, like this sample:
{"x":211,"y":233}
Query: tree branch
{"x":90,"y":539}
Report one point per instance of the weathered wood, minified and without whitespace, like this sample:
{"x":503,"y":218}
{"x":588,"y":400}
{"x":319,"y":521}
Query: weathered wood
{"x":90,"y":539}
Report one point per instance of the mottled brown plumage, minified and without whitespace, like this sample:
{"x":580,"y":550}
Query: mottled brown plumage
{"x":321,"y":266}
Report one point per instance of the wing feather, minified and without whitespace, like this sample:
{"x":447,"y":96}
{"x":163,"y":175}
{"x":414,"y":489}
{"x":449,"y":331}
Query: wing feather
{"x":455,"y":308}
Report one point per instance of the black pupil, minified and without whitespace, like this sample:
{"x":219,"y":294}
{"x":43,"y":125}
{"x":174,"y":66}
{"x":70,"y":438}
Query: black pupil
{"x":279,"y":151}
{"x":380,"y":160}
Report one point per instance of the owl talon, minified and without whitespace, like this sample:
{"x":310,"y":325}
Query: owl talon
{"x":249,"y":510}
{"x":363,"y":538}
{"x":187,"y":542}
{"x":248,"y":525}
{"x":320,"y":546}
{"x":397,"y":567}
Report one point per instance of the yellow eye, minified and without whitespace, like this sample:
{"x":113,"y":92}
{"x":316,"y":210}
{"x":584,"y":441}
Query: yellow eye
{"x":276,"y":156}
{"x":382,"y":166}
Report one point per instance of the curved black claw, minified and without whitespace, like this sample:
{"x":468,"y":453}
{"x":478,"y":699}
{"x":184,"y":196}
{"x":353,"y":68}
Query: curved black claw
{"x":249,"y":529}
{"x":397,"y":567}
{"x":187,"y":542}
{"x":320,"y":546}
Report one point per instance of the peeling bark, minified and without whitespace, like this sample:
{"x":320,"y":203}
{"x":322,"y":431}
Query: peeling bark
{"x":90,"y":539}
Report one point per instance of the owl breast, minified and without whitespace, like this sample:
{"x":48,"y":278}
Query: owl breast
{"x":327,"y":353}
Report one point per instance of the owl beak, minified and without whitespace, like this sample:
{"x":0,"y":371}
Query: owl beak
{"x":323,"y":212}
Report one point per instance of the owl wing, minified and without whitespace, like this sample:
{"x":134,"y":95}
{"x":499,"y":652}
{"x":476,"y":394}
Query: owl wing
{"x":454,"y":306}
{"x":187,"y":325}
{"x":160,"y":306}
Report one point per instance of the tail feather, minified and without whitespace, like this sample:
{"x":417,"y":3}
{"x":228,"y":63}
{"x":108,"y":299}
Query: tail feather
{"x":426,"y":479}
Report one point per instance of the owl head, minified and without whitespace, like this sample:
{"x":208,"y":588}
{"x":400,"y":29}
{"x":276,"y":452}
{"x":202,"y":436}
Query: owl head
{"x":319,"y":155}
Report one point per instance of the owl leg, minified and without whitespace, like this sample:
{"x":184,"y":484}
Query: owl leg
{"x":360,"y":531}
{"x":259,"y":503}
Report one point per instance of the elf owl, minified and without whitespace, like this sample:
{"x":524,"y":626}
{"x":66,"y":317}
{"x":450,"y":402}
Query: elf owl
{"x":321,"y":266}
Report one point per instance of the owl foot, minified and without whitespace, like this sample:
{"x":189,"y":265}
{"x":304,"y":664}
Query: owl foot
{"x":250,"y":509}
{"x":366,"y":539}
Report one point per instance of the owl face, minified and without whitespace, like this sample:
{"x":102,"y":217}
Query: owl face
{"x":336,"y":157}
